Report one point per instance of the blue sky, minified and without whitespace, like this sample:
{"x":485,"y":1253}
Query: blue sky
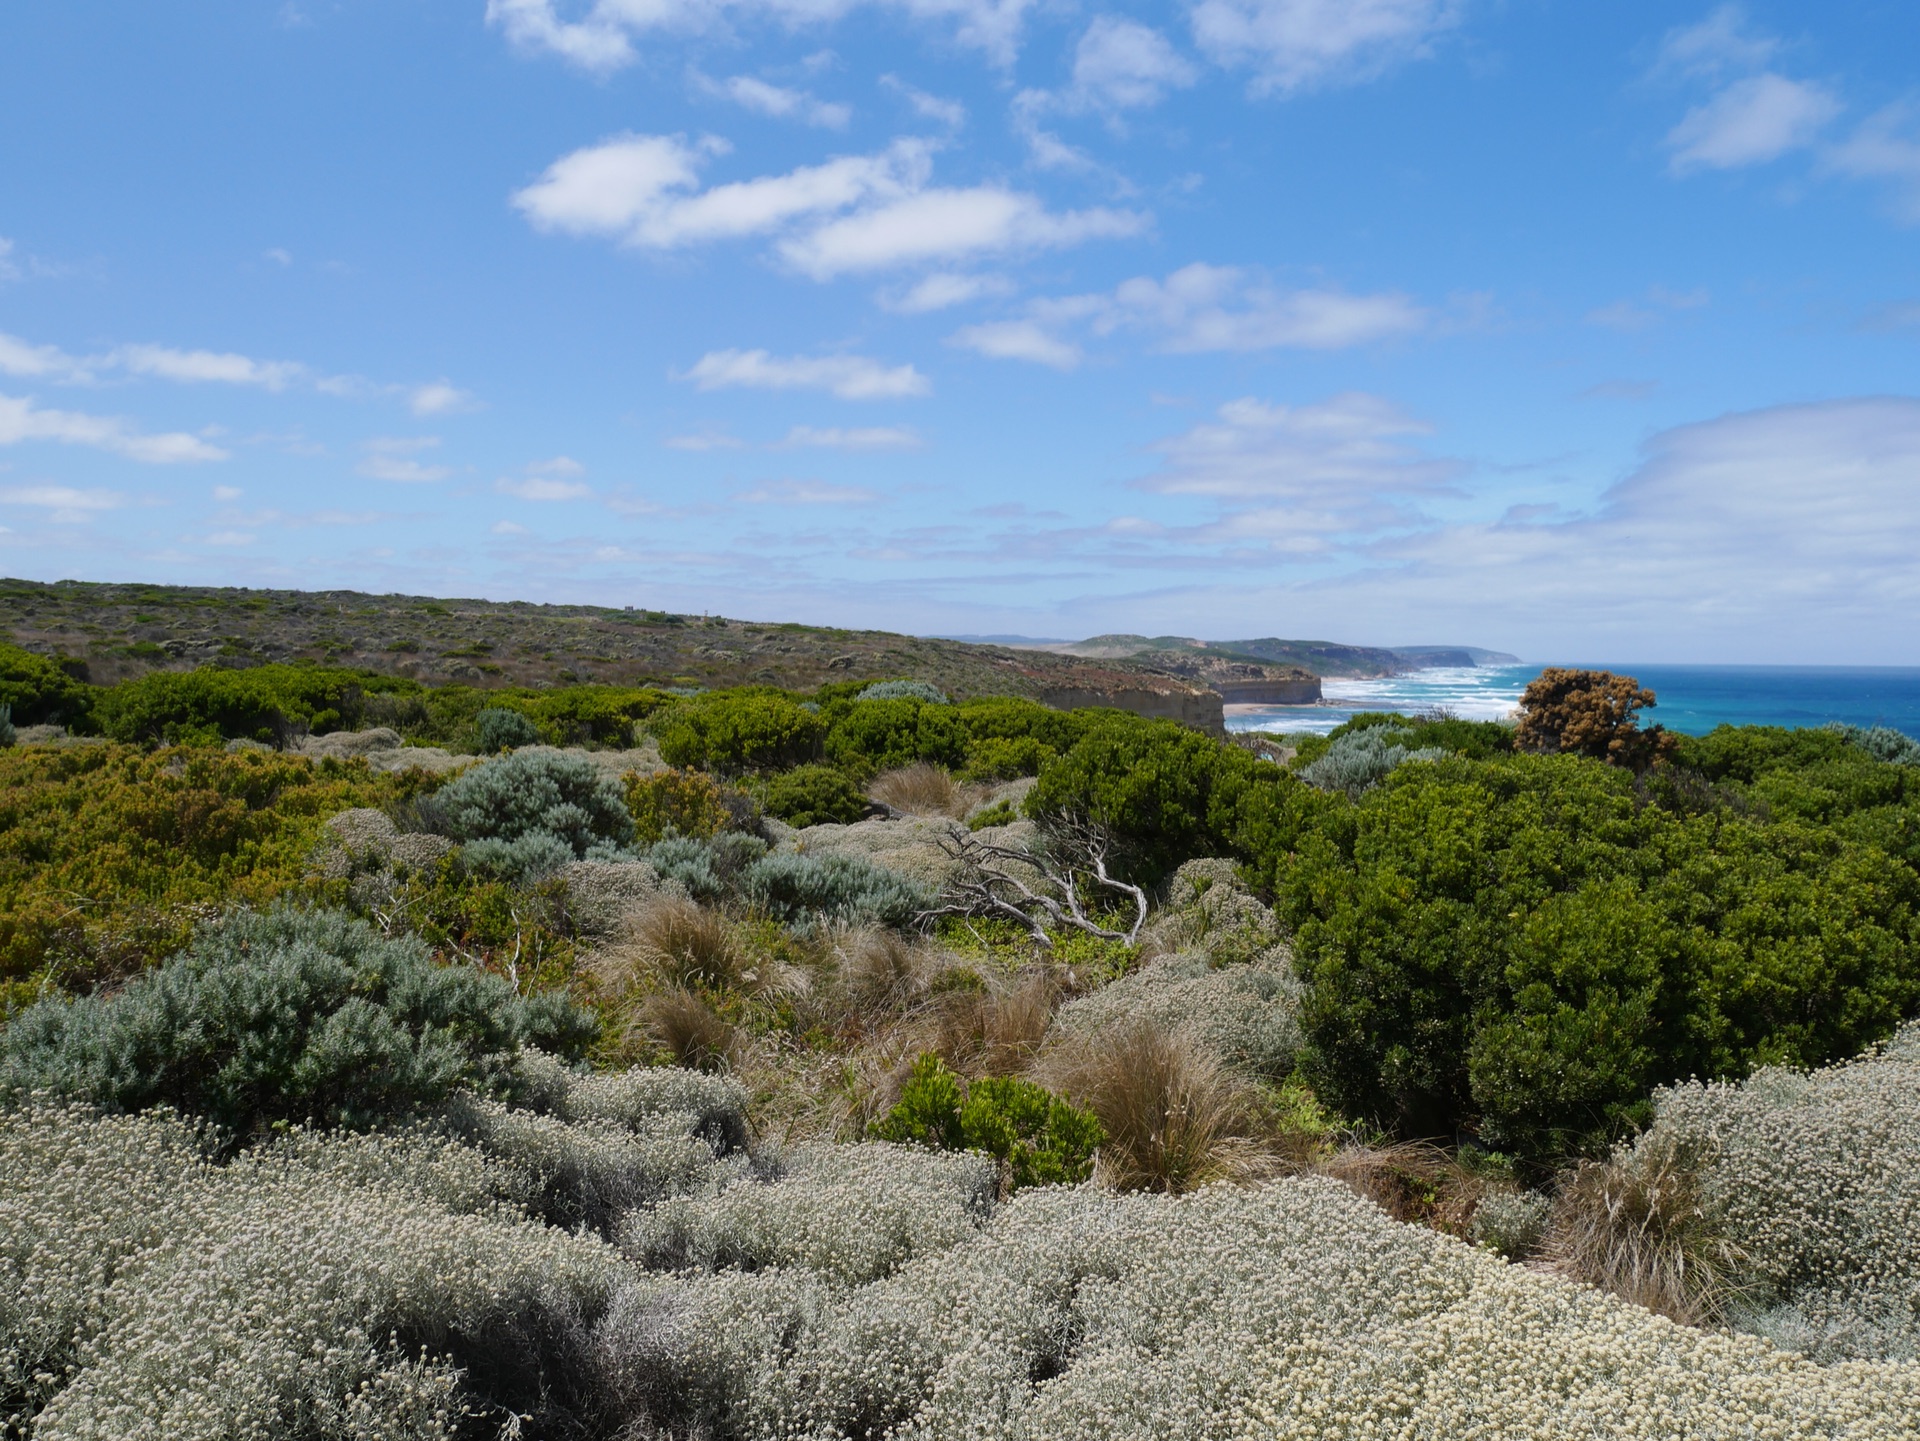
{"x":1570,"y":329}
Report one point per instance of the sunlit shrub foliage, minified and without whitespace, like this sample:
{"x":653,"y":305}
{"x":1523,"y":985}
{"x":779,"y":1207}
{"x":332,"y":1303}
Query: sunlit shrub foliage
{"x":738,"y":730}
{"x":266,"y":703}
{"x":814,"y":796}
{"x":1039,"y":1138}
{"x":39,"y":691}
{"x":677,"y":802}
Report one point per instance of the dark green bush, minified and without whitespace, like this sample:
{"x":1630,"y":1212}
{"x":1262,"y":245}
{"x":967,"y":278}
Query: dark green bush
{"x":288,"y":1016}
{"x":266,"y":703}
{"x":1040,"y":1138}
{"x":814,"y":796}
{"x":496,"y":729}
{"x":40,"y":692}
{"x":743,"y":730}
{"x":529,"y":792}
{"x":1523,"y":949}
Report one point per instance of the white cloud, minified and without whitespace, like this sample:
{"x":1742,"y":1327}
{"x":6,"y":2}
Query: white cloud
{"x":21,"y":419}
{"x":601,"y":40}
{"x":945,"y":225}
{"x":1295,"y":45}
{"x":439,"y":397}
{"x":33,"y":362}
{"x":641,"y":189}
{"x":542,"y":487}
{"x":64,"y":504}
{"x":777,"y":101}
{"x":227,"y":492}
{"x":1018,"y":340}
{"x":1210,"y":307}
{"x":279,"y":256}
{"x":945,"y":288}
{"x":703,"y":440}
{"x":1636,"y":314}
{"x":1752,"y":121}
{"x":1720,"y":42}
{"x":230,"y":538}
{"x":508,"y":527}
{"x":1122,"y":64}
{"x":389,"y":458}
{"x":851,"y":377}
{"x":878,"y":437}
{"x":950,"y":113}
{"x":1879,"y":150}
{"x":198,"y":366}
{"x":806,"y":492}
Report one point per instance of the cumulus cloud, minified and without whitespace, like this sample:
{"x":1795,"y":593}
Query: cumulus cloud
{"x":391,"y":458}
{"x":1201,"y":308}
{"x":851,"y":377}
{"x":36,"y":362}
{"x":1751,"y":122}
{"x":834,"y":437}
{"x":1886,"y":148}
{"x":197,"y":366}
{"x":1293,"y":45}
{"x":777,"y":101}
{"x":1121,"y":64}
{"x":22,"y":420}
{"x":806,"y":492}
{"x":601,"y":39}
{"x":853,"y":213}
{"x":1018,"y":340}
{"x":439,"y":397}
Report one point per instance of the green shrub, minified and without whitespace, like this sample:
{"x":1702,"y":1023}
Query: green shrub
{"x":40,"y":692}
{"x":1006,"y":758}
{"x":1520,"y":948}
{"x":683,"y":803}
{"x":1040,"y":1138}
{"x":732,"y":731}
{"x":802,"y":889}
{"x":870,"y":736}
{"x":537,"y":791}
{"x":495,"y":730}
{"x":815,"y":796}
{"x":287,"y":1016}
{"x":266,"y":703}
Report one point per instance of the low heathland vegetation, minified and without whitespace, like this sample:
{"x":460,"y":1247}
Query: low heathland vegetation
{"x":857,"y":1062}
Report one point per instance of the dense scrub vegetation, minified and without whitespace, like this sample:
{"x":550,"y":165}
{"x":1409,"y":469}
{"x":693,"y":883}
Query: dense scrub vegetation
{"x":907,"y":1122}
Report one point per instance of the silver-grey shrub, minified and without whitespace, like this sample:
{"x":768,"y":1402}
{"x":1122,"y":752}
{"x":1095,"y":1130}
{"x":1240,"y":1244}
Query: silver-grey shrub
{"x":1882,"y":743}
{"x":802,"y":889}
{"x":538,"y":791}
{"x":1246,"y":1015}
{"x":1361,"y":759}
{"x":904,"y":690}
{"x":1815,"y":1179}
{"x":851,"y":1214}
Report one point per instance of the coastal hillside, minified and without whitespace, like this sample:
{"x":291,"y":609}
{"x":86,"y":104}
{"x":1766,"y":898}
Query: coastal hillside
{"x":1314,"y":657}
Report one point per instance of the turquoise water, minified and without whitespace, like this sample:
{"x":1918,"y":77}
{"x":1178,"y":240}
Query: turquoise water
{"x":1693,"y":698}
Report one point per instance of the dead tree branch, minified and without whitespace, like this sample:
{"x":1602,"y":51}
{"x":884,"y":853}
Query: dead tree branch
{"x":1036,"y":887}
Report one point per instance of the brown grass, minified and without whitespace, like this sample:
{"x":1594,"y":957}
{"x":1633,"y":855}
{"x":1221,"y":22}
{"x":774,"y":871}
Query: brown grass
{"x":1412,"y":1181}
{"x":1174,"y":1118}
{"x":882,"y":972}
{"x":923,"y":789}
{"x":1639,"y":1225}
{"x":676,"y":944}
{"x":691,"y":1032}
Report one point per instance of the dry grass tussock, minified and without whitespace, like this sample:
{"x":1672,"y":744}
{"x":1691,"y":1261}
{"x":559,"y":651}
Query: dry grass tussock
{"x":1641,"y":1226}
{"x":923,"y":789}
{"x":1175,"y":1118}
{"x":676,"y":943}
{"x":881,"y":972}
{"x":689,"y":1031}
{"x":1412,"y":1181}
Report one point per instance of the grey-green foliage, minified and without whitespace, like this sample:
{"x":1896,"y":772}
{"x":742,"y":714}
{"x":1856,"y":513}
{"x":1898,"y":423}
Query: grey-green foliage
{"x":1361,"y":759}
{"x":537,"y":791}
{"x":1510,"y":1222}
{"x":1815,"y":1179}
{"x":904,"y":690}
{"x":708,"y":867}
{"x":287,"y":1016}
{"x":1882,"y":743}
{"x":804,"y":889}
{"x":1246,"y":1014}
{"x":496,"y":729}
{"x":524,"y":860}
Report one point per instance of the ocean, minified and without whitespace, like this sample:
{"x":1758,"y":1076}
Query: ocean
{"x":1693,"y":698}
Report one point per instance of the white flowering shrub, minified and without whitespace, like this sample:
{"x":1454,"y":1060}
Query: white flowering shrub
{"x":852,"y":1214}
{"x":1815,"y":1182}
{"x":1245,"y":1015}
{"x":1510,"y":1222}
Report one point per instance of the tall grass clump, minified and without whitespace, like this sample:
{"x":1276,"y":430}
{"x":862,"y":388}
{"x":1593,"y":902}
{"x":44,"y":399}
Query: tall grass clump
{"x":287,"y":1016}
{"x":921,"y":789}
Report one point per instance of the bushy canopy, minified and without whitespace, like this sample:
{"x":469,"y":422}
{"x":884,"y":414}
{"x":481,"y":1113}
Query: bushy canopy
{"x":286,"y":1016}
{"x":536,"y":791}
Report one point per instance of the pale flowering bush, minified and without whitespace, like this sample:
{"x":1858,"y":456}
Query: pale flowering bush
{"x":1814,"y":1181}
{"x":1245,"y":1015}
{"x":851,"y":1214}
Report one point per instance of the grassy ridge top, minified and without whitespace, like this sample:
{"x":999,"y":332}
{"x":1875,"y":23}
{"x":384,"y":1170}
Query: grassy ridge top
{"x":125,"y":630}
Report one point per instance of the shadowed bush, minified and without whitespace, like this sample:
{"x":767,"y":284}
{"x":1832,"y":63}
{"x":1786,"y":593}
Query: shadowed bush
{"x":495,"y":730}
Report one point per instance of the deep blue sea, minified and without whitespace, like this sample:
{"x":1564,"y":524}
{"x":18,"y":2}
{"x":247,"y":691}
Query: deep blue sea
{"x":1693,"y":698}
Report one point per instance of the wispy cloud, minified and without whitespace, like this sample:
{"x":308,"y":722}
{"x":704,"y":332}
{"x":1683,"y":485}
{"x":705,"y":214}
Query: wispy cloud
{"x":205,"y":366}
{"x":1019,"y":340}
{"x":22,"y":420}
{"x":64,"y":504}
{"x":391,"y":458}
{"x":833,"y":437}
{"x":806,"y":492}
{"x":1644,"y":312}
{"x":547,"y":480}
{"x":1886,"y":148}
{"x":1295,"y":45}
{"x":778,"y":102}
{"x":1751,"y":122}
{"x":851,"y":377}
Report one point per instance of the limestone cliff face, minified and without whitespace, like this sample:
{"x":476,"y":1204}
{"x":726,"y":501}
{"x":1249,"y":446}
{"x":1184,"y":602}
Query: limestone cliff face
{"x":1290,"y":690}
{"x":1190,"y":706}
